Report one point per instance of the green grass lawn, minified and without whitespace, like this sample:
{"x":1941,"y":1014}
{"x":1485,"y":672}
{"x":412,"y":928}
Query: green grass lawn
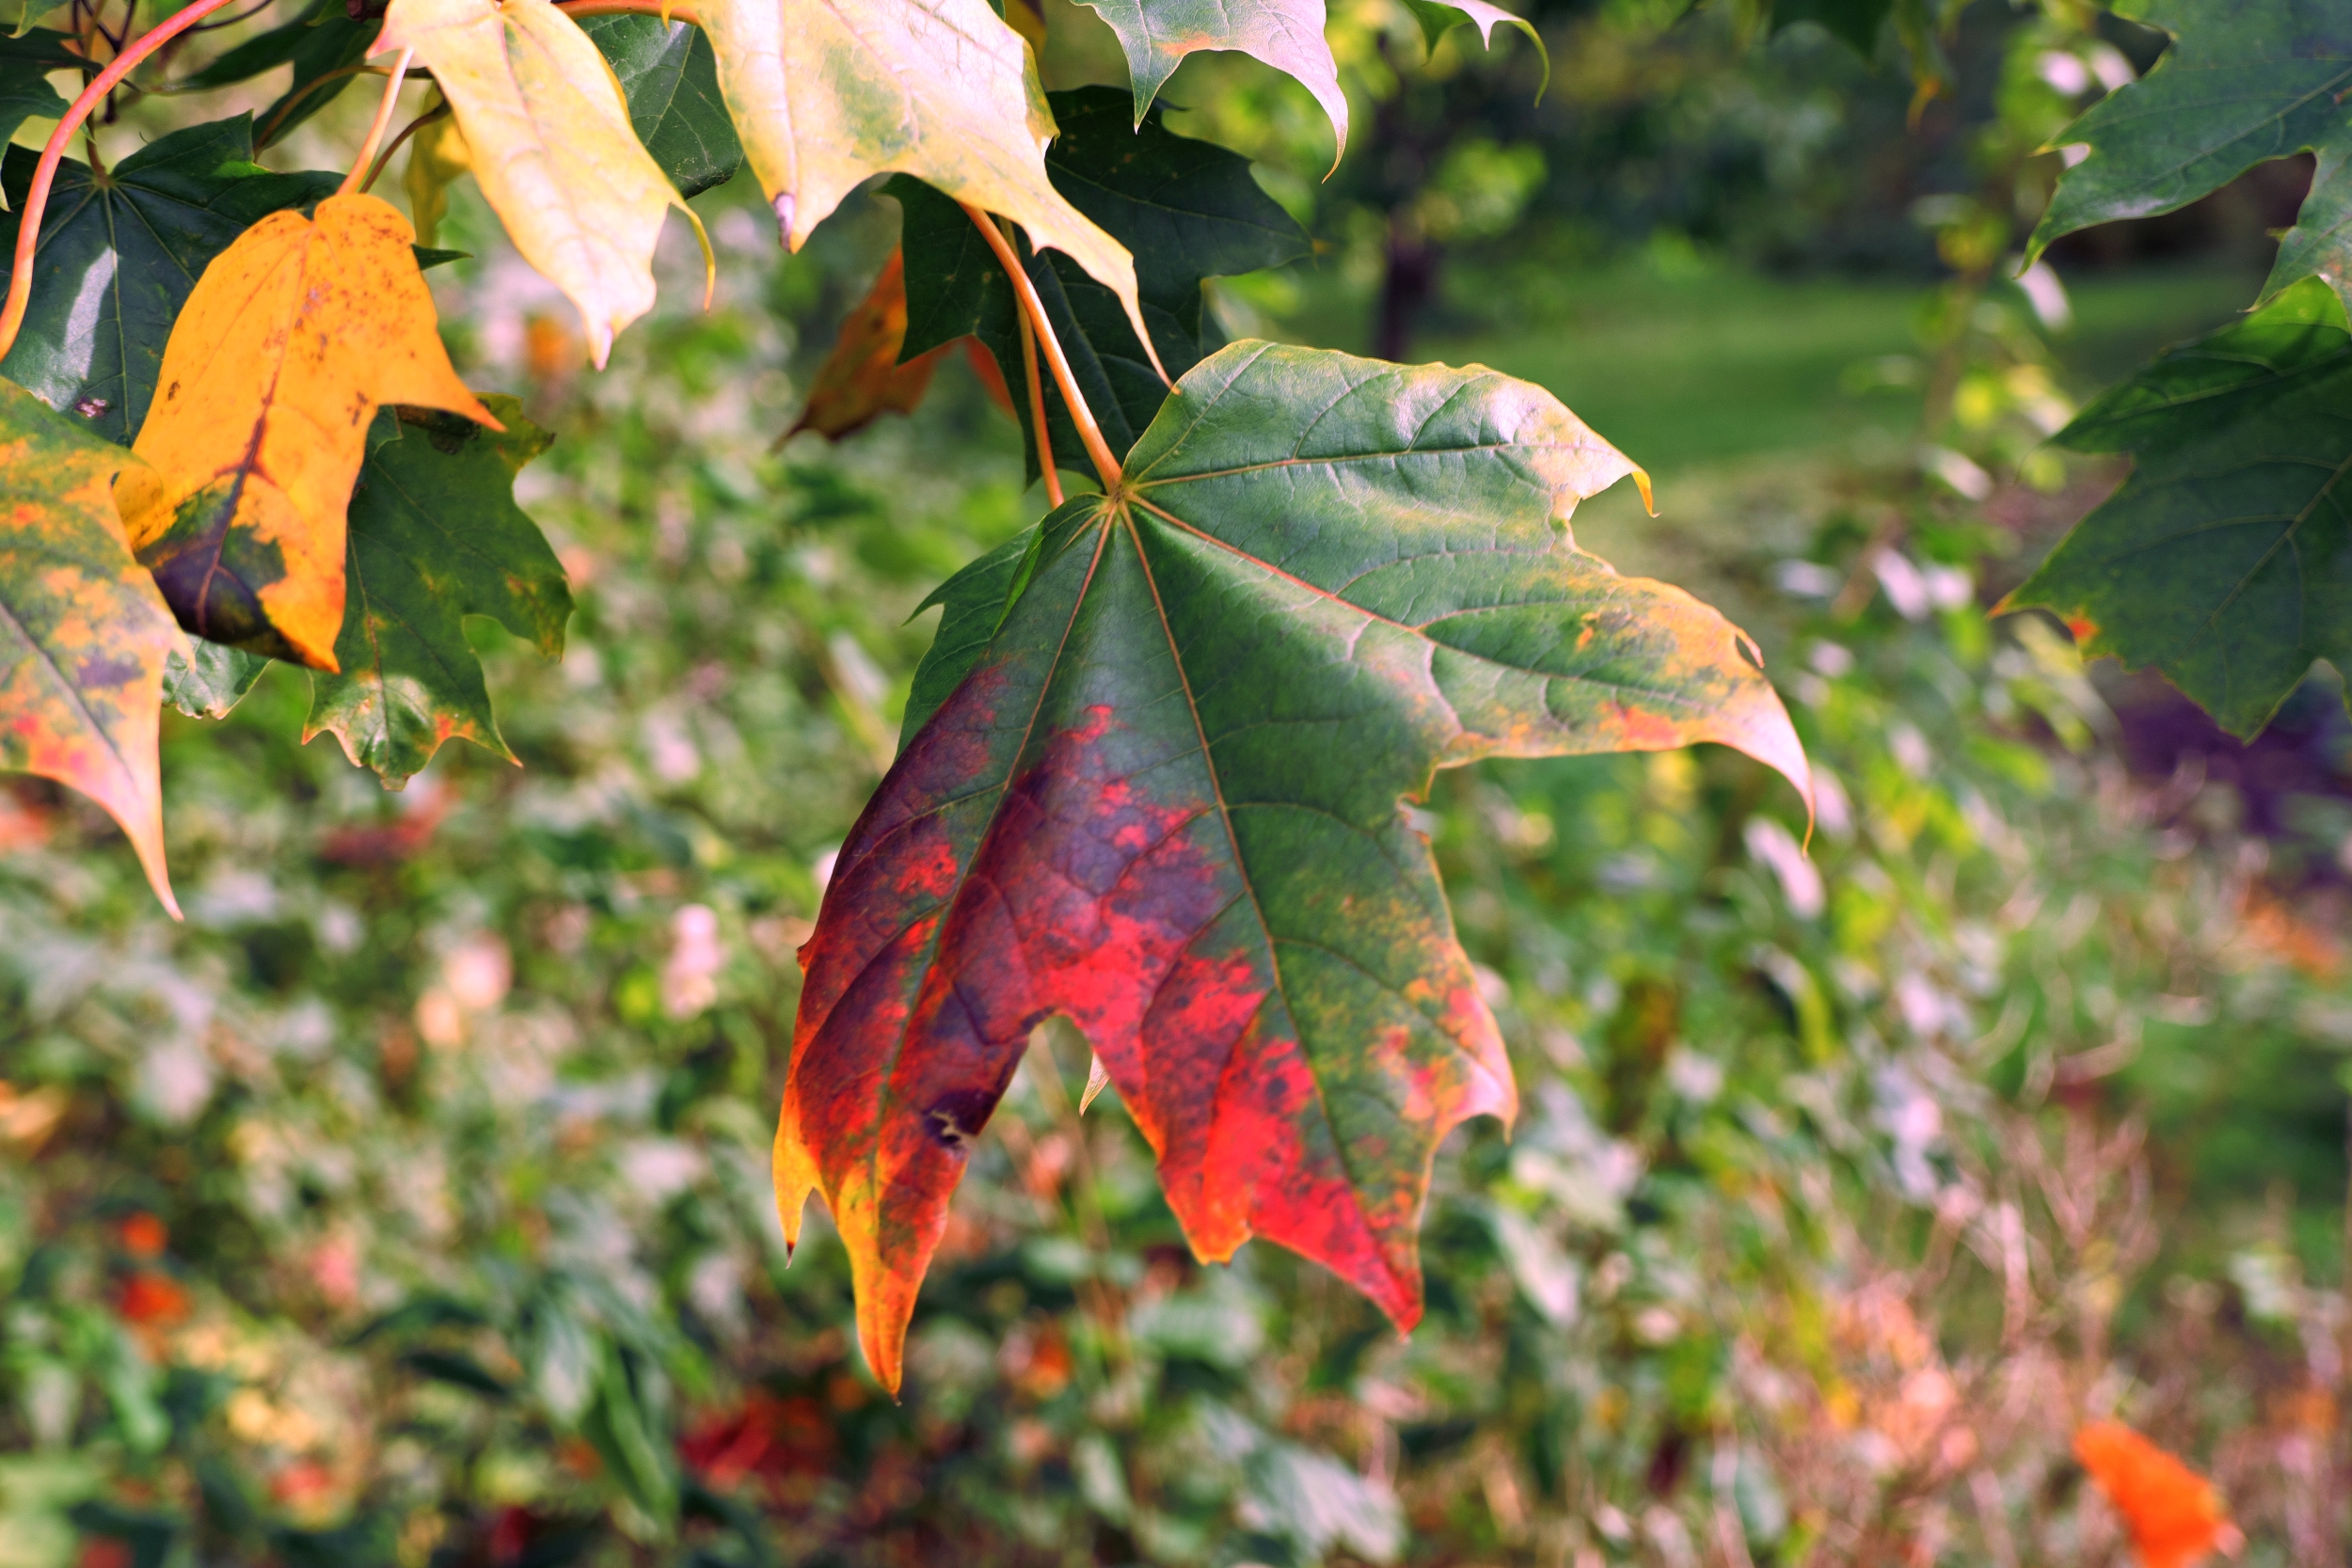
{"x":1694,"y":372}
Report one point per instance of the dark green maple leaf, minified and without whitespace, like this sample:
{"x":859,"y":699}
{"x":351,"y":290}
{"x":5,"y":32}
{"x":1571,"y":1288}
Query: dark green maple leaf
{"x":1186,"y":210}
{"x":323,"y":45}
{"x":24,"y":66}
{"x":118,"y":257}
{"x":435,"y":537}
{"x":1160,"y":786}
{"x":669,"y":75}
{"x":2225,"y":560}
{"x":2243,"y":83}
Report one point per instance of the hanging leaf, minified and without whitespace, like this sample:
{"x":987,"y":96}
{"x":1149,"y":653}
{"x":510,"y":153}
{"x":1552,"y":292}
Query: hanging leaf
{"x":1440,"y":17}
{"x":117,"y":258}
{"x":435,"y":537}
{"x":83,"y":632}
{"x":24,"y":66}
{"x":825,"y":95}
{"x":1160,"y":758}
{"x":1187,"y":210}
{"x":551,"y":146}
{"x":2225,"y":560}
{"x":669,"y":75}
{"x":863,"y":379}
{"x":2241,"y":85}
{"x":437,"y":159}
{"x":1157,"y":35}
{"x":290,"y":343}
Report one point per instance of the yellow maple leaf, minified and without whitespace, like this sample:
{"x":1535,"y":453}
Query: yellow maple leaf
{"x":292,"y":339}
{"x":547,"y":131}
{"x":83,"y":632}
{"x":826,"y":93}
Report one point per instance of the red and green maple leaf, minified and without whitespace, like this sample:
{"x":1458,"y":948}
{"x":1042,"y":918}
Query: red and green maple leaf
{"x":1156,"y":781}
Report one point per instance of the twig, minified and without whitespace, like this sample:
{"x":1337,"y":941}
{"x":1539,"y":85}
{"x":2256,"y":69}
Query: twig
{"x":46,"y":175}
{"x":1037,"y":414}
{"x":293,"y":100}
{"x":376,"y":127}
{"x":438,"y":111}
{"x":1106,"y":466}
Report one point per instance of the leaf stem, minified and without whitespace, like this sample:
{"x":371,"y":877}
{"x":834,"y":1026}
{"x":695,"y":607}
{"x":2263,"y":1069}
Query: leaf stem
{"x":376,"y":127}
{"x":438,"y":111}
{"x":1089,"y":432}
{"x":1036,"y":410}
{"x":46,"y":175}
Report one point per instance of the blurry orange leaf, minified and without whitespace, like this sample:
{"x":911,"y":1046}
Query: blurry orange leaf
{"x":2173,"y":1513}
{"x":862,"y":379}
{"x":150,"y":1299}
{"x":292,"y":340}
{"x":83,"y":631}
{"x":142,"y":1235}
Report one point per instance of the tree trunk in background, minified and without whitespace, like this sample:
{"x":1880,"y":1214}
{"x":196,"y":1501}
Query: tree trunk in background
{"x":1406,"y":287}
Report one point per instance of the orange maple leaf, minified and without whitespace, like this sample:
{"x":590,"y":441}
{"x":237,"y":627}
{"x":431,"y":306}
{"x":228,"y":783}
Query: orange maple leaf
{"x":2173,"y":1513}
{"x":862,"y":379}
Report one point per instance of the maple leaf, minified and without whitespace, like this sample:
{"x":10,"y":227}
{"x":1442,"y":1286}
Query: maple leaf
{"x":25,"y":63}
{"x":118,"y":257}
{"x":1156,"y":781}
{"x":669,"y":75}
{"x":2242,"y":85}
{"x":2173,"y":1513}
{"x":1440,"y":17}
{"x":547,"y":134}
{"x":827,"y":92}
{"x":863,"y":378}
{"x":1157,"y":35}
{"x":287,"y":346}
{"x":83,"y":631}
{"x":1187,"y":210}
{"x":2225,"y":560}
{"x":435,"y":537}
{"x":323,"y":44}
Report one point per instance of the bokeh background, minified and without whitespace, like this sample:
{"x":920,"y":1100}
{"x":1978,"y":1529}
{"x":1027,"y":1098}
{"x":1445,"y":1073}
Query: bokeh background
{"x":409,"y":1203}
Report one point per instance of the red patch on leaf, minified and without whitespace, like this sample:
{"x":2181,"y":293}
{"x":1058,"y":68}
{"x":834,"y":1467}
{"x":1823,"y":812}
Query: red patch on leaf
{"x":2173,"y":1513}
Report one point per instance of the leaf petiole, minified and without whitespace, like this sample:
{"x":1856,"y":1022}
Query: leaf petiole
{"x":438,"y":111}
{"x":360,"y":165}
{"x":1033,"y":310}
{"x":45,"y":174}
{"x":1036,"y":410}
